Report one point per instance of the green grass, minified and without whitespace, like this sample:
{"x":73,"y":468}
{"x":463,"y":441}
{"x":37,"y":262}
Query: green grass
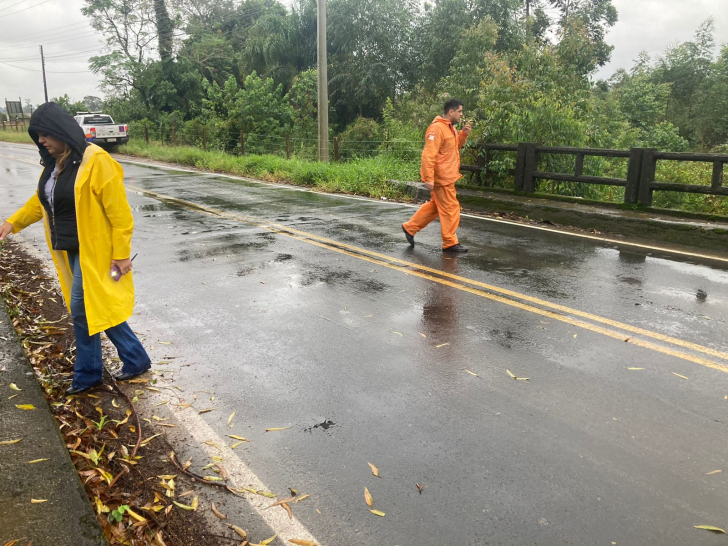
{"x":362,"y":177}
{"x":11,"y":135}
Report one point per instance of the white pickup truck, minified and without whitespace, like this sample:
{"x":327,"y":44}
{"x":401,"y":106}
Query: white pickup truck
{"x":100,"y":128}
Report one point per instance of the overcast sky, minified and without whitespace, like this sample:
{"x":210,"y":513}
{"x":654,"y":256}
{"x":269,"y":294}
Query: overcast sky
{"x":68,"y":41}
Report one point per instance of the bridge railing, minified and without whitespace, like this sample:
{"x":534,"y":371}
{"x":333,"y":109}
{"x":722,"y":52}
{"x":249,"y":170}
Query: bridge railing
{"x":640,"y":181}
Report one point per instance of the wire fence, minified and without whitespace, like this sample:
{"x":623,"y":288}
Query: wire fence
{"x":212,"y":136}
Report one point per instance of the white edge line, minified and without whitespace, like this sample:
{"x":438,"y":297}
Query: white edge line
{"x":477,"y":217}
{"x":240,"y":475}
{"x":396,"y":203}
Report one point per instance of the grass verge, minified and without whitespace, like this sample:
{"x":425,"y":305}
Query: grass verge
{"x":362,"y":177}
{"x":10,"y":135}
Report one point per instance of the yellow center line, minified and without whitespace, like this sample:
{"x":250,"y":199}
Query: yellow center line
{"x":435,"y":275}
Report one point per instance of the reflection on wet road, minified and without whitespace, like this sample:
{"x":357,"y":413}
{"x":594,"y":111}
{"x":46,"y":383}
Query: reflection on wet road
{"x":300,"y":309}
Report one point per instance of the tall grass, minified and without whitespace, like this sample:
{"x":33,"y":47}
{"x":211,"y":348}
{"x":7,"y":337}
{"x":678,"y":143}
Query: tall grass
{"x":11,"y":135}
{"x":362,"y":177}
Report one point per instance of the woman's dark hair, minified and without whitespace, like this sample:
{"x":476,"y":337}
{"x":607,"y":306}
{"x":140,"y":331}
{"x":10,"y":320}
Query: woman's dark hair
{"x":452,"y":104}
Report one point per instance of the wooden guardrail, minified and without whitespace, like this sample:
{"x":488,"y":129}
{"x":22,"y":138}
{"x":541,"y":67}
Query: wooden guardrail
{"x":641,"y":169}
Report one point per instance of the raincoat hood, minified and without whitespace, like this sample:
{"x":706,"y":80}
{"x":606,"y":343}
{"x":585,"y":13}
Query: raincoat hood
{"x":53,"y":120}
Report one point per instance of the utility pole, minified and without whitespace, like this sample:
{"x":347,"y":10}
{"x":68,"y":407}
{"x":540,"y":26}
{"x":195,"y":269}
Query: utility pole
{"x":323,"y":84}
{"x":42,"y":62}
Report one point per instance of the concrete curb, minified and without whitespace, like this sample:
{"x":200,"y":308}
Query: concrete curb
{"x":647,"y":226}
{"x":66,"y":518}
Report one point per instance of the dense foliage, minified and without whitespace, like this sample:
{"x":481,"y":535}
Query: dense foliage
{"x":525,"y":69}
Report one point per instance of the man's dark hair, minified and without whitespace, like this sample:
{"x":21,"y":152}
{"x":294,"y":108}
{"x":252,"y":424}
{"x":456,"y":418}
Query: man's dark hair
{"x":452,"y":104}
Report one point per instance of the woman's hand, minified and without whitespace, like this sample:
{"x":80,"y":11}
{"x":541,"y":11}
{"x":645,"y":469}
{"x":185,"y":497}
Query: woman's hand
{"x":5,"y":230}
{"x":123,"y":265}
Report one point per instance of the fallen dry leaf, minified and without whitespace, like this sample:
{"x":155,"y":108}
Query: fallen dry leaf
{"x":25,"y":406}
{"x":442,"y":345}
{"x":472,"y":373}
{"x":37,"y":461}
{"x":282,"y":501}
{"x":368,"y":497}
{"x":183,"y":506}
{"x":717,"y":530}
{"x":681,"y":376}
{"x":377,"y":513}
{"x":375,"y":470}
{"x":241,"y":532}
{"x":218,"y":514}
{"x":276,"y":428}
{"x":301,"y":498}
{"x":207,"y":410}
{"x":230,"y":419}
{"x":514,"y":376}
{"x":301,"y":542}
{"x":38,"y":501}
{"x":9,"y":442}
{"x":420,"y":487}
{"x":15,"y":387}
{"x":398,"y":334}
{"x":236,"y":437}
{"x":287,"y":508}
{"x":423,"y":335}
{"x":269,"y":540}
{"x":633,"y":369}
{"x":714,"y":472}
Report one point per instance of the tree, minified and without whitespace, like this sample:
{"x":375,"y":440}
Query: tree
{"x":68,"y":105}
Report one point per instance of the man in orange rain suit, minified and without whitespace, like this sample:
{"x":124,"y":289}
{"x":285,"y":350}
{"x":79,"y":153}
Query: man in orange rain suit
{"x":439,"y":171}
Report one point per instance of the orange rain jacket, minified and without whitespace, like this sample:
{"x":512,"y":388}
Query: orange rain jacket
{"x":441,"y":155}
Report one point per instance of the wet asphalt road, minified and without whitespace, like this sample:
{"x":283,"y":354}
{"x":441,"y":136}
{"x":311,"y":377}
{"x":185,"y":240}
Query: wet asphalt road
{"x":286,"y":332}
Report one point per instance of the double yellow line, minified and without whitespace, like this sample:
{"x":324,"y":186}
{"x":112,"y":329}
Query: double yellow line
{"x":601,"y":325}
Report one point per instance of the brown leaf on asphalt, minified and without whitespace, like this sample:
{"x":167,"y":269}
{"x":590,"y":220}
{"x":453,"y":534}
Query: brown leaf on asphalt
{"x":714,"y":472}
{"x":34,"y":461}
{"x":368,"y":497}
{"x":38,"y":501}
{"x":301,"y":542}
{"x":206,"y":410}
{"x":9,"y":442}
{"x":301,"y":498}
{"x":509,"y":372}
{"x":236,"y":437}
{"x":230,"y":419}
{"x":377,"y":513}
{"x":241,"y":532}
{"x":472,"y":373}
{"x":442,"y":345}
{"x":217,"y":513}
{"x":423,"y":335}
{"x":375,"y":470}
{"x":681,"y":376}
{"x":282,"y":501}
{"x":287,"y":508}
{"x":420,"y":487}
{"x":514,"y":376}
{"x":716,"y":530}
{"x":276,"y":428}
{"x":293,"y":491}
{"x":269,"y":540}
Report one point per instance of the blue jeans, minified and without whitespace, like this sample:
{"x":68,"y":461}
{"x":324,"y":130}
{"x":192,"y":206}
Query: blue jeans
{"x":88,"y":368}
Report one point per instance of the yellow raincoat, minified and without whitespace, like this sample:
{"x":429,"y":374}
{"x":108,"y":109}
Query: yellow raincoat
{"x":105,"y":226}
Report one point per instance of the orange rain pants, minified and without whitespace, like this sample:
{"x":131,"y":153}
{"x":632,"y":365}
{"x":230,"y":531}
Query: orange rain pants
{"x":443,"y":203}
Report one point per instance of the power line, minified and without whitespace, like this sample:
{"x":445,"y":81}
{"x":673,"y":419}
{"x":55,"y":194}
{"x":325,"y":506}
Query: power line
{"x":47,"y":72}
{"x":76,"y":34}
{"x":59,"y":55}
{"x":24,"y":9}
{"x":53,"y":34}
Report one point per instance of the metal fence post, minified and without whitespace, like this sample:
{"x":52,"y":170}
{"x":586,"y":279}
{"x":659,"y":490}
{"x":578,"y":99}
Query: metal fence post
{"x":647,"y":177}
{"x":634,"y":172}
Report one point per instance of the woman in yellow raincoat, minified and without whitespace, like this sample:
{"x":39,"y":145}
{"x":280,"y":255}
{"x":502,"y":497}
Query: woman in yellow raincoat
{"x":88,"y":224}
